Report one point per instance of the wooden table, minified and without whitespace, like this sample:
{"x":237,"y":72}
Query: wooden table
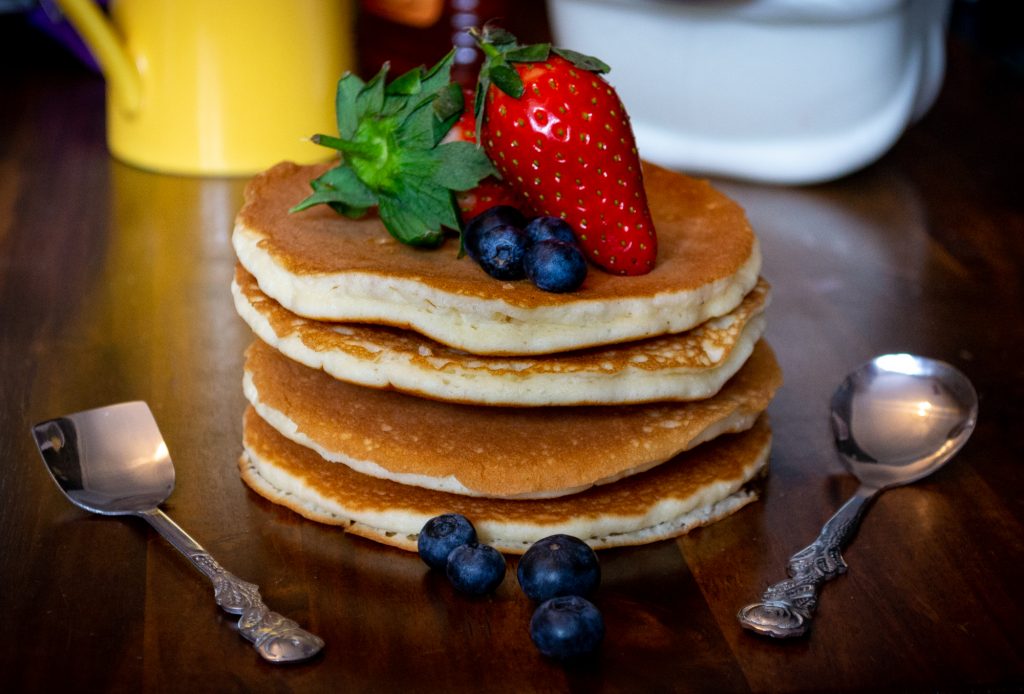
{"x":114,"y":286}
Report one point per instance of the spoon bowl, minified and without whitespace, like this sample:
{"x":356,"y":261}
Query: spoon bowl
{"x":113,"y":461}
{"x":900,"y":417}
{"x":896,"y":419}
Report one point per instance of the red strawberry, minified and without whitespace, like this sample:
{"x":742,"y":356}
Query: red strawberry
{"x":490,"y":191}
{"x":464,"y":129}
{"x":559,"y":135}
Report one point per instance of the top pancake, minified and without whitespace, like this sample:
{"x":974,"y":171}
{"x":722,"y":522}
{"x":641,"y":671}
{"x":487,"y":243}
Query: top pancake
{"x":321,"y":265}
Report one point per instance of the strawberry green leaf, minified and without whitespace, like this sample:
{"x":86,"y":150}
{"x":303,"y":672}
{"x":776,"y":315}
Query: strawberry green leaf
{"x":416,"y":214}
{"x":406,"y":225}
{"x":461,"y":166}
{"x":321,"y":196}
{"x":439,"y":76}
{"x":349,"y":87}
{"x":340,"y":206}
{"x":342,"y":190}
{"x":507,"y":80}
{"x":448,"y":108}
{"x":584,"y":62}
{"x":348,"y":184}
{"x":417,"y":129}
{"x":370,"y":99}
{"x":533,"y":53}
{"x":496,"y":36}
{"x":482,"y":85}
{"x":435,"y":207}
{"x":392,"y":157}
{"x":406,"y":85}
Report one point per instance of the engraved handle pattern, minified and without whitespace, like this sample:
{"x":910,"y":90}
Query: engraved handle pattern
{"x":276,"y":638}
{"x":786,"y":608}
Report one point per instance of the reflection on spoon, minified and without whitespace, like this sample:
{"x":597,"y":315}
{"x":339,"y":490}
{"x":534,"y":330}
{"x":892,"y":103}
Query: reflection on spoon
{"x":896,"y":419}
{"x":114,"y":461}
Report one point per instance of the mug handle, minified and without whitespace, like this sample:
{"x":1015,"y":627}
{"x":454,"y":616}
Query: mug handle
{"x":101,"y":38}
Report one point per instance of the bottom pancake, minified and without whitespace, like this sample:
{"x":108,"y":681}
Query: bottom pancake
{"x":693,"y":489}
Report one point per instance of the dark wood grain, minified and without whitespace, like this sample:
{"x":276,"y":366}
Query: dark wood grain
{"x":114,"y":286}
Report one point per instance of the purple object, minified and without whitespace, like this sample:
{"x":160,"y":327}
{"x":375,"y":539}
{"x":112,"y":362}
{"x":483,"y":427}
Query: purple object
{"x":48,"y":18}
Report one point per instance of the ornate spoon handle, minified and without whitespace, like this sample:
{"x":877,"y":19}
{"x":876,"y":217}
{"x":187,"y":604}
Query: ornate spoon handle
{"x":276,"y":638}
{"x":786,"y":608}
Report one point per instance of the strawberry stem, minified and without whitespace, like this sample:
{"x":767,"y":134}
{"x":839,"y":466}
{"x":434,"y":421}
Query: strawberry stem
{"x":489,"y":49}
{"x":345,"y":146}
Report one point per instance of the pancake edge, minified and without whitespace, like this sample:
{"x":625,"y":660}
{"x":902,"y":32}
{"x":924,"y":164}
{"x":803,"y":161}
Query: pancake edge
{"x":454,"y":383}
{"x":490,"y":326}
{"x":736,"y":422}
{"x":667,"y":520}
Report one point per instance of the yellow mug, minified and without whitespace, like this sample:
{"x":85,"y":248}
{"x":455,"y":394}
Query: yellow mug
{"x":217,"y":87}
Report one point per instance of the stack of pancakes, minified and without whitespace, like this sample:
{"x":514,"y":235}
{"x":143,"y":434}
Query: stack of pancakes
{"x":390,"y":384}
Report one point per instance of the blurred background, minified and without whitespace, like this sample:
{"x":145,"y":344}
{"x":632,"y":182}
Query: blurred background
{"x":710,"y":126}
{"x":35,"y":29}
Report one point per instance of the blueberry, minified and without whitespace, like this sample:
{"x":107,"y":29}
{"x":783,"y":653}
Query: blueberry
{"x":544,"y":228}
{"x":555,"y":266}
{"x":440,"y":535}
{"x":475,"y":569}
{"x":499,"y":215}
{"x":501,"y":249}
{"x":558,"y":565}
{"x":566,"y":627}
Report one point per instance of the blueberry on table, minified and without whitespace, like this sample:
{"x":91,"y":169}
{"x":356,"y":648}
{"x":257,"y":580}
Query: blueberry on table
{"x":555,"y":266}
{"x":544,"y":228}
{"x":501,"y":249}
{"x":558,"y":565}
{"x":499,"y":215}
{"x":475,"y":569}
{"x":440,"y":535}
{"x":566,"y":627}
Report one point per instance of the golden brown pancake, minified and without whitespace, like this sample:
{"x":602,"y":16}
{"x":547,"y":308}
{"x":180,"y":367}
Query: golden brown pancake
{"x":694,"y":489}
{"x":686,"y":366}
{"x":493,"y":451}
{"x":321,"y":265}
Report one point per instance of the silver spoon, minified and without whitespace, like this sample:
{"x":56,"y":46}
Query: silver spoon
{"x":113,"y":461}
{"x":896,"y":419}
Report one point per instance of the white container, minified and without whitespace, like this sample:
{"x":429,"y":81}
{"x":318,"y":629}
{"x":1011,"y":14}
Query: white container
{"x":780,"y":91}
